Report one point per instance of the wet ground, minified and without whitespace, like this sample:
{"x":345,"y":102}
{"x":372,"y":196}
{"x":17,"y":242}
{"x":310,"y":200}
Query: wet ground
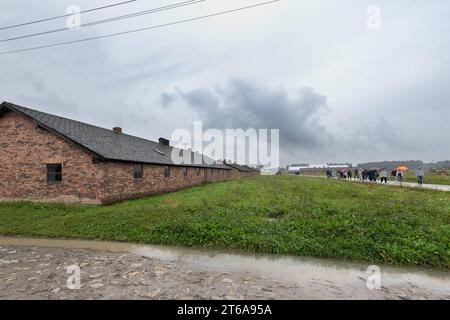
{"x":38,"y":269}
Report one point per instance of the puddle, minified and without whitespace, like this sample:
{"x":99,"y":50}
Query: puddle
{"x":277,"y":267}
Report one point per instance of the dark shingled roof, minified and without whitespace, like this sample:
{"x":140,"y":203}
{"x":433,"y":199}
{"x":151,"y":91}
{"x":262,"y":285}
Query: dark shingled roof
{"x":240,"y":168}
{"x":106,"y":143}
{"x":252,"y":169}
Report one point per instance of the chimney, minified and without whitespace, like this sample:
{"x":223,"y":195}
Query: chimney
{"x":117,"y":130}
{"x":164,"y":142}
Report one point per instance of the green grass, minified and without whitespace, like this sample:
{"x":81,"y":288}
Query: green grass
{"x":282,"y":214}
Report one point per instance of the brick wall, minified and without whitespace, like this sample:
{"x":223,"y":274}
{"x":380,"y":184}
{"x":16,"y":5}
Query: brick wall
{"x":119,"y":183}
{"x":25,"y":150}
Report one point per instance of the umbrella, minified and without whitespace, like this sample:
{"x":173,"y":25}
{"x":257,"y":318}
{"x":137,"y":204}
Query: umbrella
{"x":402,"y":168}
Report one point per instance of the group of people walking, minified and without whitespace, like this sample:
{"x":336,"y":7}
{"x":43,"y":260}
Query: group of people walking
{"x":372,"y":175}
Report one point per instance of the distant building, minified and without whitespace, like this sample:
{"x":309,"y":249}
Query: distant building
{"x":317,"y":166}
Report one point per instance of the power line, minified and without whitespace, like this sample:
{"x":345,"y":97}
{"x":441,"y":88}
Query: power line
{"x":114,"y":19}
{"x":67,"y":15}
{"x":141,"y":29}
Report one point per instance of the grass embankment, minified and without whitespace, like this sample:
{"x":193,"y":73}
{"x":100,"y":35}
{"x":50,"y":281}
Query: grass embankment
{"x":282,"y":214}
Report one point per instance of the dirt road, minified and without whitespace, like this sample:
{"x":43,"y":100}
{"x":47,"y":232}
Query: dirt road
{"x":38,"y":269}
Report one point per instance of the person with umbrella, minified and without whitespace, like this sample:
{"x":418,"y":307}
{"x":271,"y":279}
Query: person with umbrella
{"x":400,"y":173}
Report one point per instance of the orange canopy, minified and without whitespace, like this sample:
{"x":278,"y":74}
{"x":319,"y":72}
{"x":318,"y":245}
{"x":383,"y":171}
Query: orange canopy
{"x":402,"y":168}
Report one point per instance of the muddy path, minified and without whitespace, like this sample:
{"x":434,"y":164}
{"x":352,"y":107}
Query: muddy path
{"x":33,"y":268}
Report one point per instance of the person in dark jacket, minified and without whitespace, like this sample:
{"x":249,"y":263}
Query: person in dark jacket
{"x":364,"y":174}
{"x":370,"y":174}
{"x":356,"y":174}
{"x":373,"y":175}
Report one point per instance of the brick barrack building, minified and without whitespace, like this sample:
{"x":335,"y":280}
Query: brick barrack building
{"x":48,"y":158}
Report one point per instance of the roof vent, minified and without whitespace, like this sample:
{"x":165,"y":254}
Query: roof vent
{"x":164,"y":142}
{"x":159,"y":151}
{"x":117,"y":129}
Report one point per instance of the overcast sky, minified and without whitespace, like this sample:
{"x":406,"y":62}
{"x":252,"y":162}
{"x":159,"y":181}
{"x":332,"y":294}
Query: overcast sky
{"x":337,"y":90}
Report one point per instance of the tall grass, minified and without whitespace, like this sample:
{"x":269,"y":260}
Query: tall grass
{"x":283,"y":214}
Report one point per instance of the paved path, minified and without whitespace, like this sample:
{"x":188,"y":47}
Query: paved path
{"x":424,"y":186}
{"x":395,"y":183}
{"x":37,"y":269}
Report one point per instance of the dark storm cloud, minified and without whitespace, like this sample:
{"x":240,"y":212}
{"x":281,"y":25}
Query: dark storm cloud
{"x":167,"y":99}
{"x":244,"y":104}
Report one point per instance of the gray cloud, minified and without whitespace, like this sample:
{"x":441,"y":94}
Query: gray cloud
{"x":245,"y":104}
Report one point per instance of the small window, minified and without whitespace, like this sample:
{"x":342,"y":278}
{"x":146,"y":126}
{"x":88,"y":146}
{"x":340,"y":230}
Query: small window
{"x":138,"y":171}
{"x":185,"y":171}
{"x":198,"y":171}
{"x":95,"y":160}
{"x":54,"y":173}
{"x":166,"y":171}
